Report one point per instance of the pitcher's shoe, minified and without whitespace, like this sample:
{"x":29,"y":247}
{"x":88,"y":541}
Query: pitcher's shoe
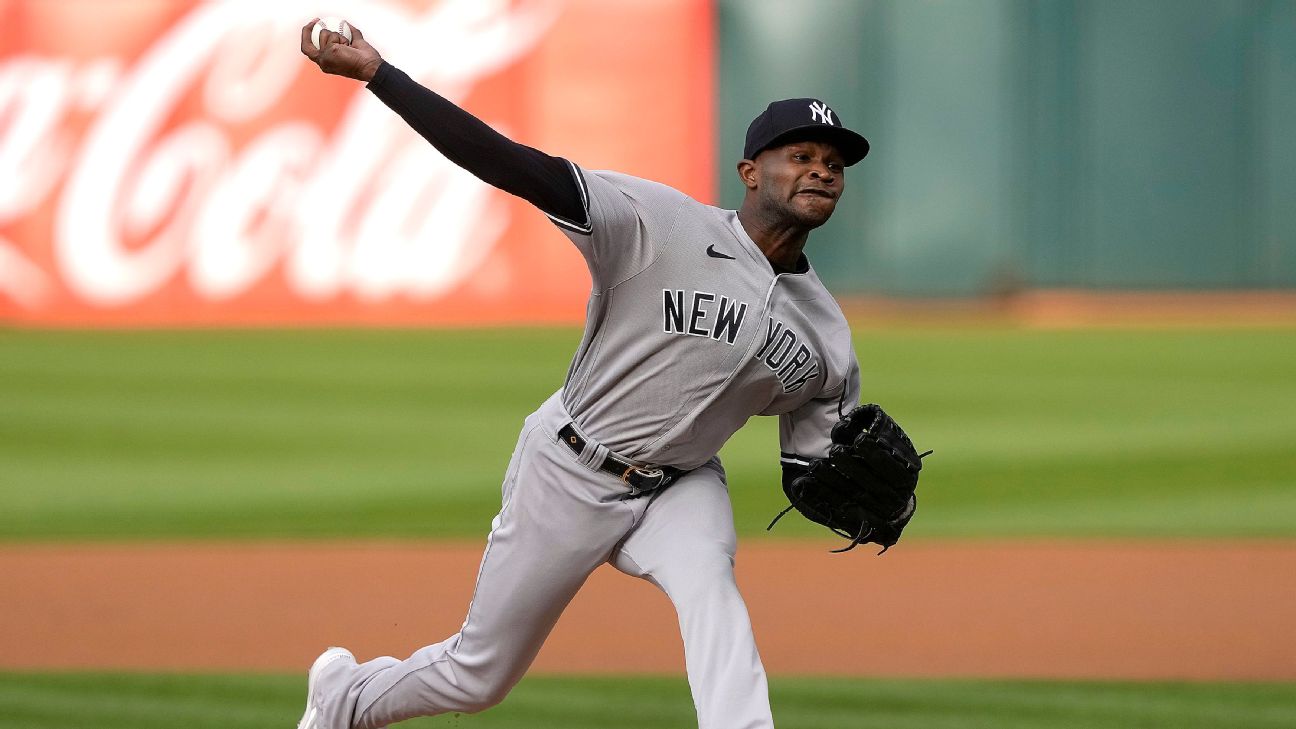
{"x":315,"y":716}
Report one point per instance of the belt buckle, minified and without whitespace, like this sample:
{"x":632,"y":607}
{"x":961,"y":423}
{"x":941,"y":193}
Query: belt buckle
{"x":646,"y":473}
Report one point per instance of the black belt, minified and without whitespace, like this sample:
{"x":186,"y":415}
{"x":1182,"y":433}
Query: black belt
{"x":640,"y":479}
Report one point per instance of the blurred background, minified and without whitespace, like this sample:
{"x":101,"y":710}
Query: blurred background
{"x":1020,"y":144}
{"x":260,"y":345}
{"x":190,"y":167}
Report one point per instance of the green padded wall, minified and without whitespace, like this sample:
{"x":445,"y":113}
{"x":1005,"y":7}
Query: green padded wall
{"x":1090,"y":143}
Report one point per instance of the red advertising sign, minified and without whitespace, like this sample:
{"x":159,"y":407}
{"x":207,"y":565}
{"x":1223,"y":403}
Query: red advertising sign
{"x":180,"y":163}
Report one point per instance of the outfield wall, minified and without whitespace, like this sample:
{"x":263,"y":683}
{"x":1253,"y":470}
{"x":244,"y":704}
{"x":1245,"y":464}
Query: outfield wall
{"x":190,"y":168}
{"x":1100,"y":144}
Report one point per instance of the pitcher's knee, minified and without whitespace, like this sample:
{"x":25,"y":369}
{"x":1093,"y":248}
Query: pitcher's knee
{"x":437,"y":688}
{"x":468,"y":697}
{"x":486,"y":695}
{"x":477,"y":686}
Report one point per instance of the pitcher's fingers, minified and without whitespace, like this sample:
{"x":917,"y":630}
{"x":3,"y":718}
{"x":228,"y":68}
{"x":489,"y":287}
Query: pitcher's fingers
{"x":307,"y":48}
{"x":331,"y":38}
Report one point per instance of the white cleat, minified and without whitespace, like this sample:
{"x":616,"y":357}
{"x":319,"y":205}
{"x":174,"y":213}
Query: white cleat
{"x":309,"y":718}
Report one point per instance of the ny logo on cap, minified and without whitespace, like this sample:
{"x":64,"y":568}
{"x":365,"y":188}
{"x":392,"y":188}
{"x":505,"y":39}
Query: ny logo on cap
{"x":819,"y":111}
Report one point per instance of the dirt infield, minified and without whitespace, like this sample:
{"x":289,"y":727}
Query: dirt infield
{"x":1144,"y":610}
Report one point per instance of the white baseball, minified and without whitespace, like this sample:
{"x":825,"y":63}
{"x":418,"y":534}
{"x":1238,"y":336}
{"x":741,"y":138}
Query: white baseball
{"x":337,"y":25}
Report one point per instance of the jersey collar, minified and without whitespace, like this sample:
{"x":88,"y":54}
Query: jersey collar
{"x":802,"y":264}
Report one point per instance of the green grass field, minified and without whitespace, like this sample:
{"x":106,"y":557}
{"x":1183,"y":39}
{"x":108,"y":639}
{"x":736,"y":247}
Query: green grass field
{"x":129,"y":701}
{"x":268,"y":434}
{"x":326,"y":434}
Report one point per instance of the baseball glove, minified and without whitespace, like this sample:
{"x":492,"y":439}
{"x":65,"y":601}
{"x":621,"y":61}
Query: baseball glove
{"x":864,"y":489}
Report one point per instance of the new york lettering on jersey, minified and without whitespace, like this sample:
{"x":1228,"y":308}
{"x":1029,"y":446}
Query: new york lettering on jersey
{"x":787,"y":356}
{"x":703,"y":314}
{"x":700,"y":314}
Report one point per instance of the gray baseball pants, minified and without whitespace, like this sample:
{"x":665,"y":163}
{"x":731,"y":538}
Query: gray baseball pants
{"x":561,"y":518}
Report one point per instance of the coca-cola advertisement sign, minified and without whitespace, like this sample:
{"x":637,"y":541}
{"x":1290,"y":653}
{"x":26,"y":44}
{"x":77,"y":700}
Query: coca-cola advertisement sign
{"x":172,"y":163}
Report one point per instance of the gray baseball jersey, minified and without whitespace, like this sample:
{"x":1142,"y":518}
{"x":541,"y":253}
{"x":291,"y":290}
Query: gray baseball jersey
{"x":690,"y":331}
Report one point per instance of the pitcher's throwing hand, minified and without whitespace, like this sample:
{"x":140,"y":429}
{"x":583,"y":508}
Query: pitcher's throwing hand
{"x":355,"y":59}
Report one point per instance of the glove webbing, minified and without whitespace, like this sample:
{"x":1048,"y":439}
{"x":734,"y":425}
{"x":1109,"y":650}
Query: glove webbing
{"x":856,"y":539}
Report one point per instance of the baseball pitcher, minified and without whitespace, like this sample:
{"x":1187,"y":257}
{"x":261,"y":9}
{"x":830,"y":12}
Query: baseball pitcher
{"x":699,"y":318}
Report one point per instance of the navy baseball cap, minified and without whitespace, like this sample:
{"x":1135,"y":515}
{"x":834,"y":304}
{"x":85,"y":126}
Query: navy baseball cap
{"x":792,"y":119}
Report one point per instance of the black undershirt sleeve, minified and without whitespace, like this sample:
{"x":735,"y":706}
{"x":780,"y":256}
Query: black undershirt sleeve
{"x":542,"y":180}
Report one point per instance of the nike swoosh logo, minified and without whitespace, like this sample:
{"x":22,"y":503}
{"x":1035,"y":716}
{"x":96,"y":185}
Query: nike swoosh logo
{"x":711,"y":251}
